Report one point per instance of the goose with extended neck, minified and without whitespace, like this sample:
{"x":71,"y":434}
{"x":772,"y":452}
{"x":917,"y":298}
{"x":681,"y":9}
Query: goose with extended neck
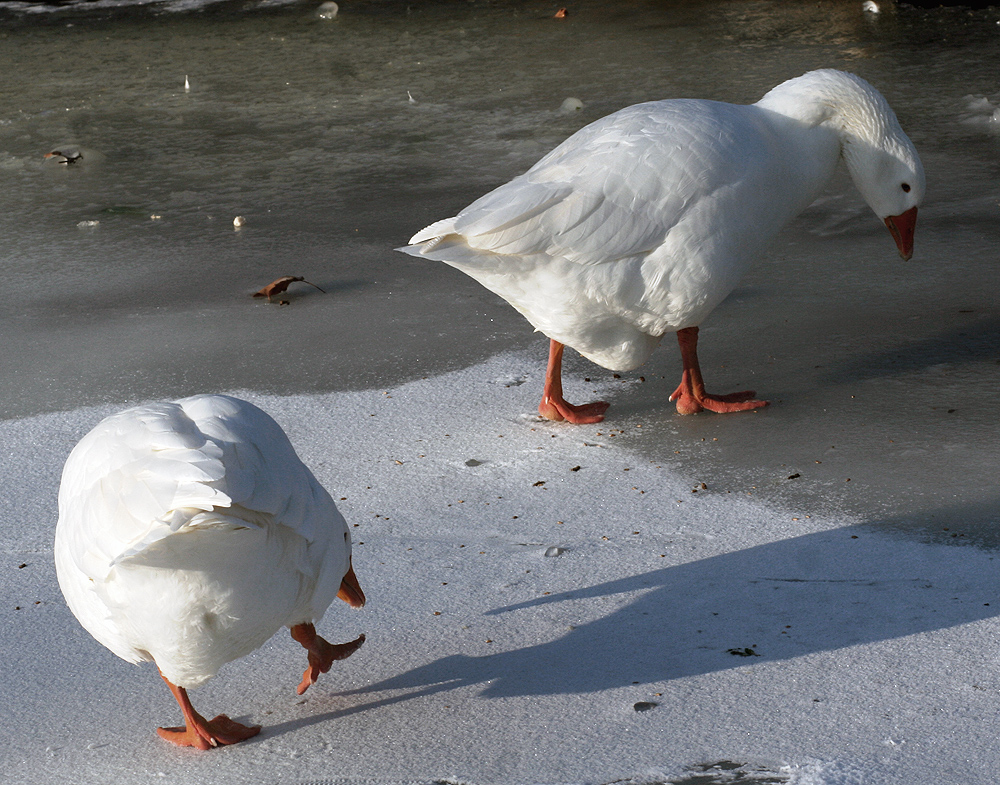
{"x":642,"y":222}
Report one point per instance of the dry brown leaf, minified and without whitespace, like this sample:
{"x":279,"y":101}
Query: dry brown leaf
{"x":280,"y":285}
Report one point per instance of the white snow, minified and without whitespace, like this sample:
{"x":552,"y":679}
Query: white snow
{"x":529,"y":583}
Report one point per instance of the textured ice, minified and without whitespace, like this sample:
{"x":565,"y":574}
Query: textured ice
{"x":820,"y":533}
{"x":488,"y":661}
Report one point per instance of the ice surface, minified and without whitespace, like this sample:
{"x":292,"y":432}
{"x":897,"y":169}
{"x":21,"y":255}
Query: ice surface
{"x":883,"y":377}
{"x":488,"y":662}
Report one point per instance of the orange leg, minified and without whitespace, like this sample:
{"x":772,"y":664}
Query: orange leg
{"x":199,"y":732}
{"x":554,"y":406}
{"x":691,"y":396}
{"x":322,"y":654}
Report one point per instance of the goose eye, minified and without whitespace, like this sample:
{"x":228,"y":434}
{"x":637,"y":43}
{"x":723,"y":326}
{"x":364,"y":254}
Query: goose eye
{"x":906,"y":188}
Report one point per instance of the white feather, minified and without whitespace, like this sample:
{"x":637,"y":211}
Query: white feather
{"x":190,"y":532}
{"x":642,"y":222}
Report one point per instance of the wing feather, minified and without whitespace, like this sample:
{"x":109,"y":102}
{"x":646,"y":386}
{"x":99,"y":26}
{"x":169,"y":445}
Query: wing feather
{"x":613,"y":190}
{"x":146,"y":473}
{"x":148,"y":485}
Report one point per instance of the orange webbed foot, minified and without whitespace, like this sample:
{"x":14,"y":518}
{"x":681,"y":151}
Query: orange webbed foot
{"x":690,"y":394}
{"x":688,"y":403}
{"x":199,"y":732}
{"x":554,"y":406}
{"x":322,"y":653}
{"x":559,"y":410}
{"x":205,"y":734}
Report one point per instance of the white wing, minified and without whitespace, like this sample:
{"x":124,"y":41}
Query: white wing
{"x":161,"y":470}
{"x":614,"y":189}
{"x":134,"y":479}
{"x":263,"y":472}
{"x":147,"y":472}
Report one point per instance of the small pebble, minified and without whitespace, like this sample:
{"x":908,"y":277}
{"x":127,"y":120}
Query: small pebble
{"x":644,"y":705}
{"x":554,"y":550}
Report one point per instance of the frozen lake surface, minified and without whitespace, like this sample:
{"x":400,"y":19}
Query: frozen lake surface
{"x":336,"y":139}
{"x":305,"y":127}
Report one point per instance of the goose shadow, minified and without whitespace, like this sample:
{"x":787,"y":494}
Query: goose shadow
{"x":962,"y":344}
{"x":820,"y":592}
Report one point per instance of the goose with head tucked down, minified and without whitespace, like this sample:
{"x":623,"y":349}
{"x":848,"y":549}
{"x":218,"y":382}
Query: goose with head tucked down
{"x":190,"y":532}
{"x":644,"y":221}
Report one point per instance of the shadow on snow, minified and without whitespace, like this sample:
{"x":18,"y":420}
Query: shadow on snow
{"x":820,"y":592}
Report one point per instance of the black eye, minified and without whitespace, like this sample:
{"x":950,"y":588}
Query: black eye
{"x":906,"y":188}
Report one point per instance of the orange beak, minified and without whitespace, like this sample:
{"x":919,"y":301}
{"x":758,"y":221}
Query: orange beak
{"x":901,"y":227}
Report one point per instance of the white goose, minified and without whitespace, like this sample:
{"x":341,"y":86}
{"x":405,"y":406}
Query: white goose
{"x":642,"y":222}
{"x":190,"y":532}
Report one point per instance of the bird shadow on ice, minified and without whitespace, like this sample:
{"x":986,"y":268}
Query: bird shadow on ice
{"x":967,"y":343}
{"x":975,"y":523}
{"x":817,"y":593}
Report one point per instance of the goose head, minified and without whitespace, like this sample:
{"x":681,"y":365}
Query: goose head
{"x":888,"y":173}
{"x":883,"y":163}
{"x":881,"y":159}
